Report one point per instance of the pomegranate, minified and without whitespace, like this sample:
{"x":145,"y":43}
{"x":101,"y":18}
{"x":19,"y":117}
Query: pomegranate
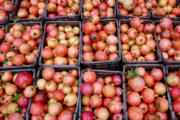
{"x":161,"y":104}
{"x":87,"y":115}
{"x":149,"y":80}
{"x":14,"y":116}
{"x":40,"y":97}
{"x":103,"y":113}
{"x":133,"y":98}
{"x":144,"y":107}
{"x":173,"y":79}
{"x":54,"y":108}
{"x":89,"y":28}
{"x":29,"y":91}
{"x":109,"y":91}
{"x":23,"y":79}
{"x":137,"y":84}
{"x":37,"y":109}
{"x":166,"y":23}
{"x":97,"y":88}
{"x":157,"y":74}
{"x":96,"y":101}
{"x":89,"y":76}
{"x":159,"y":88}
{"x":135,"y":113}
{"x":23,"y":101}
{"x":70,"y":99}
{"x":47,"y":73}
{"x":116,"y":79}
{"x":66,"y":114}
{"x":115,"y":107}
{"x":86,"y":88}
{"x":135,"y":22}
{"x":176,"y":106}
{"x":148,"y":95}
{"x":175,"y":92}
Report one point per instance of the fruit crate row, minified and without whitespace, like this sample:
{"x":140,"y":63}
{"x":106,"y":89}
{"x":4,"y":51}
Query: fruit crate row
{"x":38,"y":10}
{"x":71,"y":43}
{"x":70,"y":93}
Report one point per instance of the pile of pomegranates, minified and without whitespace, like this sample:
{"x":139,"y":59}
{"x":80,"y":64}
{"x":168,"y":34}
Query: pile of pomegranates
{"x":2,"y":34}
{"x":146,"y":94}
{"x":63,"y":8}
{"x":61,"y":45}
{"x":101,"y":96}
{"x":100,"y":41}
{"x":30,"y":9}
{"x":133,"y":8}
{"x":168,"y":36}
{"x":137,"y":40}
{"x":21,"y":45}
{"x":102,"y":8}
{"x":164,"y":8}
{"x":15,"y":92}
{"x":57,"y":95}
{"x":173,"y":80}
{"x":6,"y":7}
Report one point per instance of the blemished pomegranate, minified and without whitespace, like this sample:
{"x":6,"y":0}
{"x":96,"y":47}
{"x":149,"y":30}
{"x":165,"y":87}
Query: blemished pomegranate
{"x":161,"y":104}
{"x":20,"y":46}
{"x":141,"y":34}
{"x":148,"y":103}
{"x":99,"y":41}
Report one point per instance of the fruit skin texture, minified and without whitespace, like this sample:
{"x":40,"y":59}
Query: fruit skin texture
{"x":148,"y":95}
{"x":37,"y":109}
{"x":86,"y":115}
{"x":135,"y":113}
{"x":14,"y":116}
{"x":173,"y":79}
{"x":109,"y":91}
{"x":137,"y":84}
{"x":162,"y":104}
{"x":89,"y":76}
{"x":89,"y":28}
{"x":24,"y":79}
{"x":133,"y":98}
{"x":175,"y":92}
{"x":176,"y":106}
{"x":157,"y":74}
{"x":159,"y":88}
{"x":86,"y":88}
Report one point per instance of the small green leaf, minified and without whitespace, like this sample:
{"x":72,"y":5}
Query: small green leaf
{"x":22,"y":30}
{"x":133,"y":73}
{"x":20,"y":109}
{"x":12,"y":48}
{"x":5,"y":61}
{"x":15,"y":19}
{"x":15,"y":98}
